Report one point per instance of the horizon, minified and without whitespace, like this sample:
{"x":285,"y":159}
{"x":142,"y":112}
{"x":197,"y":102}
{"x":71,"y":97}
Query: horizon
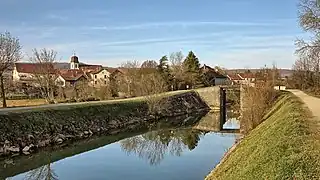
{"x":232,"y":34}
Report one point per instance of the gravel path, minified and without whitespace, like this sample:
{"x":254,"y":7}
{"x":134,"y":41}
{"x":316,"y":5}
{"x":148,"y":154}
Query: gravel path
{"x":313,"y":103}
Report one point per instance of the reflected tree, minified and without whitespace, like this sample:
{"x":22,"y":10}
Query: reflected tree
{"x":153,"y":146}
{"x":45,"y":172}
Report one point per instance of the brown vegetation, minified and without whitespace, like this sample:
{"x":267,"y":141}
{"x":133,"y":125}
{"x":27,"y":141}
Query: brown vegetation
{"x":45,"y":74}
{"x":257,"y":100}
{"x":307,"y":68}
{"x":10,"y":52}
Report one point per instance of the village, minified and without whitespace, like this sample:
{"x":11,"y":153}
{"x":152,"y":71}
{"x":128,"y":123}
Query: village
{"x":77,"y":80}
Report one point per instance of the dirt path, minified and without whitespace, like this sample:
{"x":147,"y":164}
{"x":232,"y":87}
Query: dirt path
{"x":313,"y":103}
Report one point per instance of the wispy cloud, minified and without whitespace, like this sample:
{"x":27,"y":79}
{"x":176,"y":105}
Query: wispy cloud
{"x":182,"y":24}
{"x":161,"y":40}
{"x":57,"y":17}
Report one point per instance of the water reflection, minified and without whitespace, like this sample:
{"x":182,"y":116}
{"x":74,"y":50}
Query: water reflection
{"x":153,"y":146}
{"x":172,"y":137}
{"x":45,"y":172}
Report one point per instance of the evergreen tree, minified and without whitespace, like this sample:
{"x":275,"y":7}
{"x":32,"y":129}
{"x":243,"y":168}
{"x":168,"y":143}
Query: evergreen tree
{"x":163,"y":66}
{"x":164,"y":70}
{"x":192,"y":69}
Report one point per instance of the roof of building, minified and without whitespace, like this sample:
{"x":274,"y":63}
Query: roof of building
{"x":74,"y":59}
{"x":246,"y":75}
{"x":89,"y":68}
{"x":234,"y":77}
{"x":110,"y":70}
{"x":34,"y":67}
{"x":71,"y":74}
{"x":212,"y":71}
{"x":62,"y":65}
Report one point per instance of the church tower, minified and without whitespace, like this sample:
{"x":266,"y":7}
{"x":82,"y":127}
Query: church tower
{"x":74,"y":62}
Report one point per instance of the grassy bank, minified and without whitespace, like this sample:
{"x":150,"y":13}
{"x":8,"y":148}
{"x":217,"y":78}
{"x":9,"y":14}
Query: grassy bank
{"x":285,"y":146}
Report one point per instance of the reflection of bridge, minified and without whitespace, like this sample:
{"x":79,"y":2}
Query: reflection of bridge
{"x":213,"y":122}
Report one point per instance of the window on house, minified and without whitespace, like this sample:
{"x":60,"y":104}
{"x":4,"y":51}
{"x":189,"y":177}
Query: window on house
{"x":95,"y":76}
{"x":105,"y":76}
{"x":96,"y":82}
{"x":105,"y":82}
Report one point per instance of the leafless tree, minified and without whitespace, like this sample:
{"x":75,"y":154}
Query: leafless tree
{"x":149,"y":64}
{"x":307,"y":66}
{"x":45,"y":172}
{"x":131,"y":77}
{"x":10,"y":52}
{"x":151,"y":86}
{"x":45,"y":74}
{"x":177,"y":70}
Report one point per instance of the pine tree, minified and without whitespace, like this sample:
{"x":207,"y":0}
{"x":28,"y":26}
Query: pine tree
{"x":164,"y":70}
{"x":192,"y":69}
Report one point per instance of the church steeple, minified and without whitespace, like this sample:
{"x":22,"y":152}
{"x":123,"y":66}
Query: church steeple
{"x":74,"y":62}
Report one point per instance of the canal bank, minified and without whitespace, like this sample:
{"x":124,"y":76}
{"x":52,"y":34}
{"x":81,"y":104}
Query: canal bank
{"x":285,"y":146}
{"x":174,"y":148}
{"x":25,"y":131}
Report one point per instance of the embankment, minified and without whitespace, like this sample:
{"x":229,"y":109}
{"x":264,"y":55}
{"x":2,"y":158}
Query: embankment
{"x":23,"y":131}
{"x":285,"y":146}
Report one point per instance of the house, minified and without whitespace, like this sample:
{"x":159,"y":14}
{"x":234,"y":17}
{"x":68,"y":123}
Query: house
{"x":70,"y":77}
{"x":77,"y":72}
{"x":212,"y":77}
{"x":25,"y":73}
{"x":234,"y":79}
{"x":242,"y":78}
{"x":280,"y":87}
{"x":100,"y":77}
{"x":249,"y":77}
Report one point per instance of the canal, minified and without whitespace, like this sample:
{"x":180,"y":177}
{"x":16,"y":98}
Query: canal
{"x":188,"y":147}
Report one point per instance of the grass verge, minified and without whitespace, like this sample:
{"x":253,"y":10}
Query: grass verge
{"x":285,"y":146}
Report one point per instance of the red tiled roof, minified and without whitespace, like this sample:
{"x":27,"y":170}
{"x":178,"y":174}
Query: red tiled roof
{"x":247,"y":75}
{"x":34,"y":68}
{"x":90,"y":68}
{"x":71,"y":74}
{"x":234,"y":77}
{"x":110,"y":70}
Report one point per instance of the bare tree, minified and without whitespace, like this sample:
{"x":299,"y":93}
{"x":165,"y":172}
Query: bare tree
{"x":45,"y":74}
{"x":10,"y":52}
{"x":132,"y":74}
{"x":177,"y":70}
{"x":149,"y":64}
{"x":152,"y":85}
{"x":307,"y":67}
{"x":45,"y":172}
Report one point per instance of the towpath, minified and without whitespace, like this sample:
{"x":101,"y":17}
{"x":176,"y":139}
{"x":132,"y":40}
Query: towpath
{"x":313,"y":103}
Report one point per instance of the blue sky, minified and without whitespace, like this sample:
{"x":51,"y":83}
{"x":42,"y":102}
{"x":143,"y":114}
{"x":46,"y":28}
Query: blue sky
{"x":229,"y":33}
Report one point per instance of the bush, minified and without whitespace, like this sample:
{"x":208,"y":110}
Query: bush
{"x":255,"y":103}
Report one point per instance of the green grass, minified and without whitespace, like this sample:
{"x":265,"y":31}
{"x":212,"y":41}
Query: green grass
{"x":285,"y":146}
{"x":60,"y":106}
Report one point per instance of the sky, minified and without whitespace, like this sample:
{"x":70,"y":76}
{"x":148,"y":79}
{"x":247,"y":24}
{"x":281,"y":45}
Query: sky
{"x":227,"y":33}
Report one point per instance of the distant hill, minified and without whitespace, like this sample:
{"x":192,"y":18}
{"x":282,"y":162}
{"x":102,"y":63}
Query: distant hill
{"x":283,"y":72}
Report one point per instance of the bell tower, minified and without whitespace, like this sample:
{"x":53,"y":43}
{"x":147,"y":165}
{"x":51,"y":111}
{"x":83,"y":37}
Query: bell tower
{"x":74,"y":62}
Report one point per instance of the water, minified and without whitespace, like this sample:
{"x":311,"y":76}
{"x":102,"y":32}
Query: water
{"x":187,"y":150}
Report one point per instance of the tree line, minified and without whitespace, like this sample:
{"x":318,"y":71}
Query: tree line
{"x":306,"y":74}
